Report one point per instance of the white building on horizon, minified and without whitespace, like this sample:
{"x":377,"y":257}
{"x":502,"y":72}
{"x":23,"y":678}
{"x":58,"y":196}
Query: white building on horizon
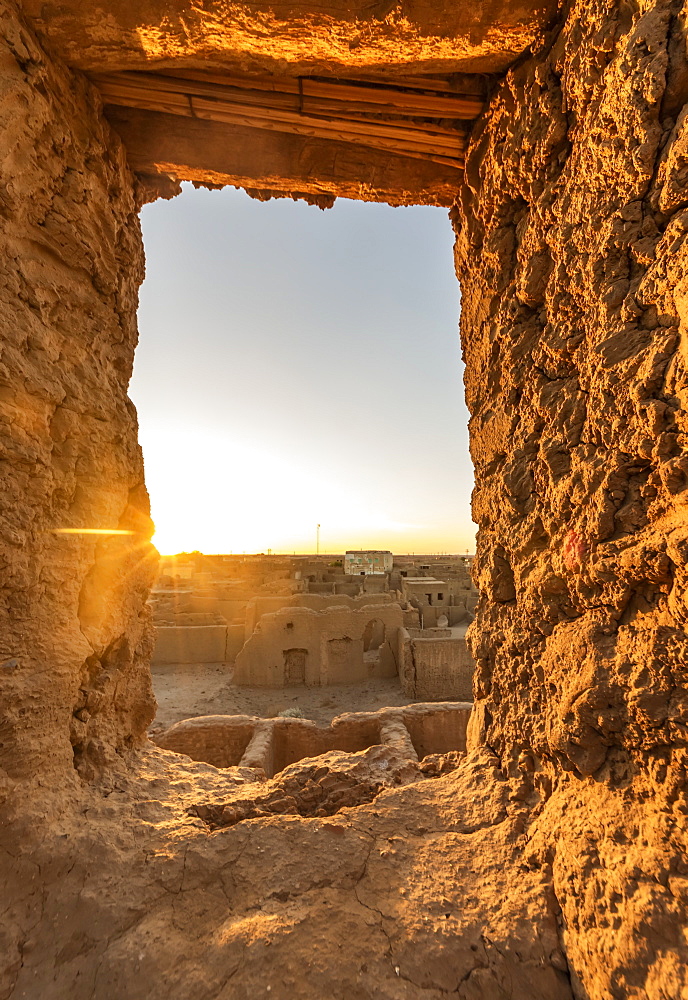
{"x":367,"y":562}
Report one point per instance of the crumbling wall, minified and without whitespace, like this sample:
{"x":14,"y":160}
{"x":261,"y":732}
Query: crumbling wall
{"x":331,"y":642}
{"x":221,"y":740}
{"x":572,"y":252}
{"x":435,"y":667}
{"x":564,"y":849}
{"x":273,"y":744}
{"x":259,"y":606}
{"x":73,"y":628}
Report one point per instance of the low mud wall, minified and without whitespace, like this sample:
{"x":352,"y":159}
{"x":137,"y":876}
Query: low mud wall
{"x":273,"y":744}
{"x":197,"y":643}
{"x":190,"y":644}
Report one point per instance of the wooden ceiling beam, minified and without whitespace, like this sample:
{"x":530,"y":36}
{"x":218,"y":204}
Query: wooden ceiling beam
{"x":379,"y":116}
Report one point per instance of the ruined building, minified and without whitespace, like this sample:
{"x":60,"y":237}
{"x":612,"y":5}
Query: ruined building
{"x":551,"y":863}
{"x":346,"y":642}
{"x":333,"y":646}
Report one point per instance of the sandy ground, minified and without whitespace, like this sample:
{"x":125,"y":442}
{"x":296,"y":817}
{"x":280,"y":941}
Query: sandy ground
{"x":186,"y":690}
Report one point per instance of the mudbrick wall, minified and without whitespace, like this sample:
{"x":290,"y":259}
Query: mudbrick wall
{"x":272,"y":744}
{"x":73,"y":630}
{"x":572,"y":252}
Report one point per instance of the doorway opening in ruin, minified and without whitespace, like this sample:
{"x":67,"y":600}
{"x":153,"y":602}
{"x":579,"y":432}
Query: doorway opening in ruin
{"x":295,"y":666}
{"x":374,"y":635}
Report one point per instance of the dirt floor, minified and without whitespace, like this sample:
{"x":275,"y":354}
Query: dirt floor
{"x":186,"y":690}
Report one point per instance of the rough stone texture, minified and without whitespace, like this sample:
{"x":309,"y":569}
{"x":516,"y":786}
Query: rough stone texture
{"x":418,"y":36}
{"x":573,"y":258}
{"x":73,"y":629}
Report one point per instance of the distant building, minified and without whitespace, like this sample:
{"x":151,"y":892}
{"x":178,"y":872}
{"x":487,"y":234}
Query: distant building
{"x":426,"y":590}
{"x":368,"y":562}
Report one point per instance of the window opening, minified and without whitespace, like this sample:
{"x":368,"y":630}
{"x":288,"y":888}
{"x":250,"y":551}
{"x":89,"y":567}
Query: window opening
{"x":256,"y":437}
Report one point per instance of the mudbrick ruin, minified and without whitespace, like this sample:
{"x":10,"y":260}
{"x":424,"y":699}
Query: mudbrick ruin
{"x":546,"y":858}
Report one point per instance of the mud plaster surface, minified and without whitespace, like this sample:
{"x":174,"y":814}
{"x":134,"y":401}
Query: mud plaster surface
{"x":73,"y":627}
{"x":308,"y":37}
{"x":573,"y":258}
{"x":137,"y":896}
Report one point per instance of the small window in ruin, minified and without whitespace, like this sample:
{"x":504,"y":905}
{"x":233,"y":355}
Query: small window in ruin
{"x":440,"y":597}
{"x":289,"y":625}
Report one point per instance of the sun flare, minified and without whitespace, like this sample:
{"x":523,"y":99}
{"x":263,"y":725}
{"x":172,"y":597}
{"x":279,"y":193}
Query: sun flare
{"x":215,"y":494}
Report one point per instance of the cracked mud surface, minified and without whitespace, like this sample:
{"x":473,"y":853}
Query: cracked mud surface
{"x":423,"y":892}
{"x":324,"y":785}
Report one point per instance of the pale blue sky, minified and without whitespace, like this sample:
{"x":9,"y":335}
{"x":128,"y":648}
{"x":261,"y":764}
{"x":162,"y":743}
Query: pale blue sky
{"x":298,"y":366}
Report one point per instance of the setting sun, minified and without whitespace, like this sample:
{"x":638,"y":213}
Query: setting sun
{"x":264,"y":414}
{"x":215,"y":494}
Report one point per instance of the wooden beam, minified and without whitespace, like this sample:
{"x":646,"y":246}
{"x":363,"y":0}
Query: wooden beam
{"x":304,"y":113}
{"x":192,"y":149}
{"x":287,"y":93}
{"x":393,"y":100}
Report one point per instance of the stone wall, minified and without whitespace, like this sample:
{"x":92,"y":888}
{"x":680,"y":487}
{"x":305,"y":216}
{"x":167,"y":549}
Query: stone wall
{"x":572,"y":252}
{"x":73,"y":626}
